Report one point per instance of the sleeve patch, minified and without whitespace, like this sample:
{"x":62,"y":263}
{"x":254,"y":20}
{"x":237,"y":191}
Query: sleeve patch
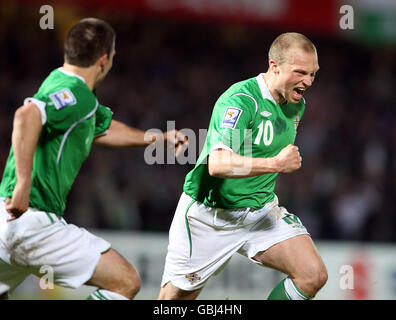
{"x":231,"y":117}
{"x":63,"y":98}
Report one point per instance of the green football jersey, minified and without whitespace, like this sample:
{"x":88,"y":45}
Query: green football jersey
{"x":246,"y":120}
{"x":71,"y":118}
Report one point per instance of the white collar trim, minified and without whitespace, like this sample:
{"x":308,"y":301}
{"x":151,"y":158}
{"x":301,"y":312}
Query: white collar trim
{"x":71,"y":74}
{"x":264,"y":89}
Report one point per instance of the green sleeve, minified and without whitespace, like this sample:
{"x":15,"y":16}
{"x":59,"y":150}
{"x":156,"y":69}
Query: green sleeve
{"x":231,"y":119}
{"x":104,"y":115}
{"x":65,"y":108}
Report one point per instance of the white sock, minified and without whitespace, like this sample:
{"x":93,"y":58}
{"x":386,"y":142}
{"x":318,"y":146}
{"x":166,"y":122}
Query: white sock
{"x":102,"y":294}
{"x":293,"y":291}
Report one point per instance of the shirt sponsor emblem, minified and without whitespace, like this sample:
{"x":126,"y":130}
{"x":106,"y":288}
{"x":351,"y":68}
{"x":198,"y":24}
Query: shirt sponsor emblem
{"x":231,"y":117}
{"x":63,"y":98}
{"x":266,"y":114}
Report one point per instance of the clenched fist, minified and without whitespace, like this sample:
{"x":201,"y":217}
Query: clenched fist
{"x":288,"y":159}
{"x":177,"y":140}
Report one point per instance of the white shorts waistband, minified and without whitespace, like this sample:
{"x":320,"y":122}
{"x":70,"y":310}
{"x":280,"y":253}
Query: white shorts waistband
{"x":229,"y":218}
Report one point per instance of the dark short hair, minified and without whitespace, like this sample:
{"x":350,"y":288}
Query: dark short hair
{"x":87,"y":41}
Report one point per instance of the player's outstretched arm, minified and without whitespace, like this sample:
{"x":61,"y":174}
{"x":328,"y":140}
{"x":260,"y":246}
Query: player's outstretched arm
{"x":119,"y":135}
{"x":226,"y":164}
{"x":25,"y":134}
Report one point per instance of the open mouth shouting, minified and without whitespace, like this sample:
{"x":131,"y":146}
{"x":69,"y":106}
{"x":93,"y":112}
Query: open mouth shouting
{"x":298,"y":93}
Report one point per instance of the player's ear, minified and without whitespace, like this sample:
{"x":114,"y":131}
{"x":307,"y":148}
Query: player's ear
{"x":273,"y":66}
{"x":102,"y":62}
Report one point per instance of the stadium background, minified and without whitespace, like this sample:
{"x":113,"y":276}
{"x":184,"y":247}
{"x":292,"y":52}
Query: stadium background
{"x":174,"y":58}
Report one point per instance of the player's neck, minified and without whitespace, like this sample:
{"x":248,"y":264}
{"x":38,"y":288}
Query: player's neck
{"x":269,"y":81}
{"x":88,"y":74}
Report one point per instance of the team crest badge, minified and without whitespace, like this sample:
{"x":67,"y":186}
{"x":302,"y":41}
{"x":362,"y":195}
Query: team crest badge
{"x":231,"y":117}
{"x":63,"y":98}
{"x":193,"y":277}
{"x":296,"y":122}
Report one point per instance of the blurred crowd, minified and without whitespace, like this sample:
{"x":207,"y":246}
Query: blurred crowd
{"x":168,"y":70}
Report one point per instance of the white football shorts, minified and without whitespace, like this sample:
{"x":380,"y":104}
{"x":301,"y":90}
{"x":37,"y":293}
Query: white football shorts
{"x":203,"y":239}
{"x":40,"y":240}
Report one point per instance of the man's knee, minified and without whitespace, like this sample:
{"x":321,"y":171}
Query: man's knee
{"x":132,"y":284}
{"x":116,"y":274}
{"x":322,"y":278}
{"x":126,"y":283}
{"x":312,"y":279}
{"x":317,"y":279}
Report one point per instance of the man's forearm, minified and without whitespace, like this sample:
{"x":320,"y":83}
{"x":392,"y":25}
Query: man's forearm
{"x":26,"y":131}
{"x":120,"y":135}
{"x":225,"y":164}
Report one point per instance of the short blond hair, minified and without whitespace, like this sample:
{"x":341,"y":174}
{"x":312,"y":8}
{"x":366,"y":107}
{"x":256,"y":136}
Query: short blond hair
{"x":281,"y":45}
